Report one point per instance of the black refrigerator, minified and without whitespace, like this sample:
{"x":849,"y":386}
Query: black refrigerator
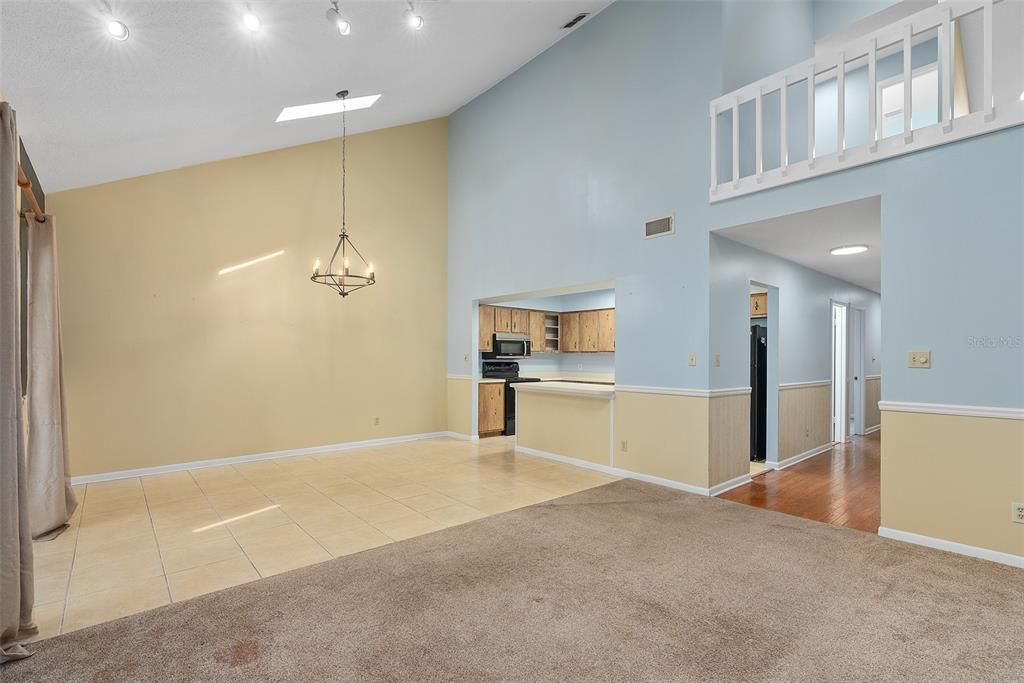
{"x":758,"y":392}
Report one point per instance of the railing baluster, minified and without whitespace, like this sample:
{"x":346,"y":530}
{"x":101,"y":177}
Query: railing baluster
{"x":908,"y":76}
{"x":841,"y":107}
{"x":872,"y":95}
{"x":946,"y":55}
{"x":714,"y":147}
{"x":736,"y":142}
{"x":783,"y":127}
{"x":758,"y":136}
{"x":987,"y":21}
{"x":810,"y":117}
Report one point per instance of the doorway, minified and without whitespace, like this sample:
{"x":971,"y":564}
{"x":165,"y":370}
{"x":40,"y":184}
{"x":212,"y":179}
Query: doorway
{"x":839,"y":384}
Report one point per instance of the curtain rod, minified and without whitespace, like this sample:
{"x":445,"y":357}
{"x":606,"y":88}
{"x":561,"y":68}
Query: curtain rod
{"x":33,"y":203}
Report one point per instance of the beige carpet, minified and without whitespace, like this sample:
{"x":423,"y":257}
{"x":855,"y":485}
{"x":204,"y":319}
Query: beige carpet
{"x":623,"y":582}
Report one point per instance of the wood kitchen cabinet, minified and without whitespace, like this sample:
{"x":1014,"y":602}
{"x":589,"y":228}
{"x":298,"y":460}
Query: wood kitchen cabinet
{"x":502,"y":319}
{"x":520,"y":321}
{"x":569,"y":332}
{"x":537,"y":341}
{"x":588,"y":331}
{"x":491,"y":416}
{"x":759,"y":305}
{"x":486,"y":327}
{"x":606,"y":330}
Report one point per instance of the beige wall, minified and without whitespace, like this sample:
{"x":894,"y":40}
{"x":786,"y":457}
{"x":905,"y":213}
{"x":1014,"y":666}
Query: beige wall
{"x":572,"y":426}
{"x":168,"y":362}
{"x":805,"y":419}
{"x":954,"y":478}
{"x":666,"y":436}
{"x":460,"y":400}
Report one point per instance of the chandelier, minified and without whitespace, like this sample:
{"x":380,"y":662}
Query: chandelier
{"x":347,"y":271}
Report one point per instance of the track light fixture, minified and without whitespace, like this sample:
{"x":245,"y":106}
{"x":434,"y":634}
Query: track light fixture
{"x":250,"y":21}
{"x":116,"y":29}
{"x":412,"y":20}
{"x":339,"y":22}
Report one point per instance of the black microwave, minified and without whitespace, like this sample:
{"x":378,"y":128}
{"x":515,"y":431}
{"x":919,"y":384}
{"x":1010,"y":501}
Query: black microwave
{"x":505,"y":346}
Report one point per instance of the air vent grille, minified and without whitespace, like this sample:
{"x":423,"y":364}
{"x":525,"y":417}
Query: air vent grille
{"x":577,"y":19}
{"x":659,"y":227}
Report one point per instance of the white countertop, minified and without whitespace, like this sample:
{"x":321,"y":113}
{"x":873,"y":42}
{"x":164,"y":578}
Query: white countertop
{"x":491,"y":380}
{"x":604,"y":391}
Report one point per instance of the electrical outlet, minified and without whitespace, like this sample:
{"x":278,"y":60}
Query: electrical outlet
{"x":693,"y":360}
{"x":376,"y":422}
{"x":1018,"y":513}
{"x":718,"y":360}
{"x":625,"y":446}
{"x":919,"y":359}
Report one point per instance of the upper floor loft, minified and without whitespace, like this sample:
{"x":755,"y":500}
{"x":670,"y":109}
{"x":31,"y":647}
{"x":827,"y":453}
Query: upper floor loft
{"x":947,"y":72}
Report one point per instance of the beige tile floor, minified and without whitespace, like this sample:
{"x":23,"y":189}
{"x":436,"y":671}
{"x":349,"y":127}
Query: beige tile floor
{"x":135,"y":544}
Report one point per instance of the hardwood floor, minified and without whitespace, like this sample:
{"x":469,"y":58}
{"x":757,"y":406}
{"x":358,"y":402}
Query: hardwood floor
{"x":840,"y":487}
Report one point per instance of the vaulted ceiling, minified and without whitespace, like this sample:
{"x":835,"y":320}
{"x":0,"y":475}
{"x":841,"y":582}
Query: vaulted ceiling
{"x":191,"y":85}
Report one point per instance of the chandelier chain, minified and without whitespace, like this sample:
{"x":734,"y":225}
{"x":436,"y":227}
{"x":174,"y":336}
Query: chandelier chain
{"x":344,"y":137}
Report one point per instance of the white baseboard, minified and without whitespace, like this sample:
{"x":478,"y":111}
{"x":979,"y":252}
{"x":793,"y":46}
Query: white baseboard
{"x":953,"y":547}
{"x":462,"y":437}
{"x":789,"y":462}
{"x":872,"y":430}
{"x":271,"y":455}
{"x":615,"y":471}
{"x":718,"y":489}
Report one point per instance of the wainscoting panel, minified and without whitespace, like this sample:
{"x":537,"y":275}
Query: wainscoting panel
{"x":804,"y":418}
{"x":665,"y":436}
{"x":460,"y":404}
{"x":729,"y":438}
{"x":872,"y":395}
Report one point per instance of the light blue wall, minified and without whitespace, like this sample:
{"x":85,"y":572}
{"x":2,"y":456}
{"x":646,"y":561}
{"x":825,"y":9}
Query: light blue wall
{"x":804,"y":323}
{"x":761,"y":37}
{"x":832,"y":15}
{"x":563,"y":162}
{"x":581,"y":301}
{"x":562,"y":363}
{"x":609,"y":128}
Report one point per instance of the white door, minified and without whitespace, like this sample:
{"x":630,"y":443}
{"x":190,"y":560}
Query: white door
{"x":839,"y":427}
{"x":856,"y":374}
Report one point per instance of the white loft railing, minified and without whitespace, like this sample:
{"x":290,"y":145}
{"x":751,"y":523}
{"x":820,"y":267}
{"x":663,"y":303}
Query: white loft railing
{"x":975,"y":92}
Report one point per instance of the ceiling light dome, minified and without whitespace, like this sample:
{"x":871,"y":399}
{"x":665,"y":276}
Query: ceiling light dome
{"x":848,"y":249}
{"x":118,"y":30}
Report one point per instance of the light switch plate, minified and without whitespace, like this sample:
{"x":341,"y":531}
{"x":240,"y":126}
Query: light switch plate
{"x":919,"y":359}
{"x":718,"y":360}
{"x":693,"y":360}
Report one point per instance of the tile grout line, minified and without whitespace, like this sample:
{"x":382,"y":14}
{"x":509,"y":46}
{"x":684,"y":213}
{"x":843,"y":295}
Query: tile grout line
{"x":152,"y":526}
{"x":74,"y":559}
{"x":226,"y":526}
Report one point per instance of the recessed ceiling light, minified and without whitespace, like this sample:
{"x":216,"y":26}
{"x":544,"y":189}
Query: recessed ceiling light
{"x":305,"y":111}
{"x":848,"y":249}
{"x":118,"y":30}
{"x":251,"y":22}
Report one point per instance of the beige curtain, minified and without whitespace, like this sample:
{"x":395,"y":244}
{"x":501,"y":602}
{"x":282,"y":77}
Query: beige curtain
{"x":16,"y":590}
{"x":51,"y":500}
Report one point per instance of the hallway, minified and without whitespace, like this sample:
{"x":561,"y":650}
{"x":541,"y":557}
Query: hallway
{"x":840,"y":487}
